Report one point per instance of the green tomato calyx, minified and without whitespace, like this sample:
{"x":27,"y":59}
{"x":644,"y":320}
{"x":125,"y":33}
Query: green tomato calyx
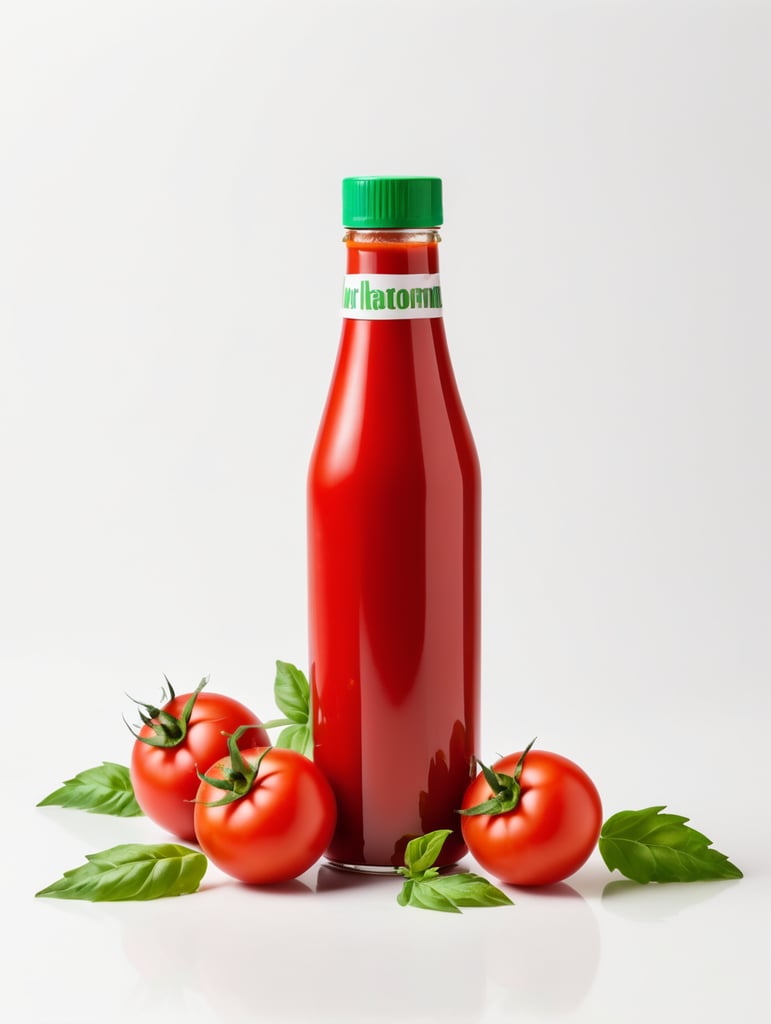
{"x":507,"y":789}
{"x":168,"y":730}
{"x":239,"y":776}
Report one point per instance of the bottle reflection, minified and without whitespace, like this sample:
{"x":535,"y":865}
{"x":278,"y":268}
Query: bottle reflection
{"x":550,"y":967}
{"x":449,"y":773}
{"x":249,"y":956}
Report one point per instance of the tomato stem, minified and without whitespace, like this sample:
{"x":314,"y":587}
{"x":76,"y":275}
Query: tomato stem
{"x":239,"y":776}
{"x":506,"y":789}
{"x":169,"y":731}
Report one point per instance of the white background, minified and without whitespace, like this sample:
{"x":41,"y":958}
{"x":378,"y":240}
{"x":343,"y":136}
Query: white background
{"x":170,"y":268}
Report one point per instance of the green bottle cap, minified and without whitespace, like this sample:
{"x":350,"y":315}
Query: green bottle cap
{"x":398,"y":202}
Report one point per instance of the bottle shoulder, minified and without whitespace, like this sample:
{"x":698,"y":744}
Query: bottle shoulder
{"x":393,"y":408}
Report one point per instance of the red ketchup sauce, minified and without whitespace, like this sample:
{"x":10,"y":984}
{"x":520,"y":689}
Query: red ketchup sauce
{"x":394,"y":576}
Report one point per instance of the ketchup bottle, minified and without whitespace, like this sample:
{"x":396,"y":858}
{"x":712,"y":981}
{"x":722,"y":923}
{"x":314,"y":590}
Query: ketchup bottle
{"x":394,"y":543}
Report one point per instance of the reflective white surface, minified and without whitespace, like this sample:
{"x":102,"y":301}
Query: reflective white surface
{"x":334,"y":946}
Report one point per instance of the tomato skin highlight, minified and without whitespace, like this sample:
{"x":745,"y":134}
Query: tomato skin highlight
{"x":279,"y":829}
{"x":549,"y":834}
{"x":165,"y":779}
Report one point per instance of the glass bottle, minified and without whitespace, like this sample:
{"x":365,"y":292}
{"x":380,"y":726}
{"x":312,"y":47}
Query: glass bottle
{"x":394,"y":543}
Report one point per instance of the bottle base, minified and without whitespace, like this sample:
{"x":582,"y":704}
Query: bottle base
{"x":362,"y":869}
{"x":384,"y":870}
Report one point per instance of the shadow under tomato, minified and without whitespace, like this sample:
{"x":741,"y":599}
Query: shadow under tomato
{"x":294,"y":887}
{"x":557,"y":890}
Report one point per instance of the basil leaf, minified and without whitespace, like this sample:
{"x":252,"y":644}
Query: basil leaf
{"x":449,"y":893}
{"x":297,"y":737}
{"x":470,"y":890}
{"x":292,"y":693}
{"x":293,"y":696}
{"x":405,"y":895}
{"x":421,"y":852}
{"x":648,"y":846}
{"x":429,"y":896}
{"x":132,"y":872}
{"x":105,"y":789}
{"x":425,"y":888}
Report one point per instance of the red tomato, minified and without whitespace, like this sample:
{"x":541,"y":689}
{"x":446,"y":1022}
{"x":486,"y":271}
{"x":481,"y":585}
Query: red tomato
{"x":164,"y":777}
{"x":550,"y":832}
{"x":277,"y":829}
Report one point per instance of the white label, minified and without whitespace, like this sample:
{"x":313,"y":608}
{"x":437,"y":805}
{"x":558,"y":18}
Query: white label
{"x":391,"y":296}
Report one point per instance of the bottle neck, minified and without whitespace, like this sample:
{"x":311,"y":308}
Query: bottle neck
{"x":381,"y":251}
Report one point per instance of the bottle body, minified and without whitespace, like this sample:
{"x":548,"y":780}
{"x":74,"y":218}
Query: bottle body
{"x":394,"y":577}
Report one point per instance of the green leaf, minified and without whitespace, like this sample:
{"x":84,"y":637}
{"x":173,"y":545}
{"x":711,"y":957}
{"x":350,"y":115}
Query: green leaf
{"x":426,"y":889}
{"x":132,"y":872}
{"x":423,"y":851}
{"x":406,"y":893}
{"x":448,"y":893}
{"x":648,"y":846}
{"x":429,"y":896}
{"x":105,"y":789}
{"x":297,"y":737}
{"x":292,"y":693}
{"x":470,"y":890}
{"x":293,"y":696}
